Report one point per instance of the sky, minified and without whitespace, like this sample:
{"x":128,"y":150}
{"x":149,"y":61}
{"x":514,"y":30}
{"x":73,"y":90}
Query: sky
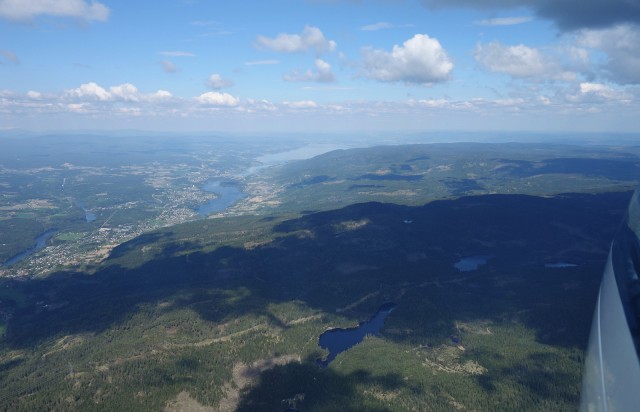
{"x":320,"y":65}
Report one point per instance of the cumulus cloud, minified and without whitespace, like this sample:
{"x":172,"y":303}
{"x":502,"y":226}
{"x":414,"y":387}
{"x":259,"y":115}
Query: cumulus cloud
{"x":322,"y":74}
{"x":26,"y":10}
{"x":596,"y":88}
{"x":621,"y":44}
{"x":420,"y":60}
{"x":33,"y":95}
{"x":504,"y":21}
{"x":77,"y":108}
{"x":217,"y":99}
{"x":89,"y":91}
{"x":519,"y":61}
{"x":161,"y":95}
{"x":217,"y":82}
{"x":536,"y":109}
{"x":311,"y":38}
{"x":567,"y":14}
{"x":126,"y":92}
{"x":9,"y":56}
{"x":168,"y":66}
{"x":598,"y":93}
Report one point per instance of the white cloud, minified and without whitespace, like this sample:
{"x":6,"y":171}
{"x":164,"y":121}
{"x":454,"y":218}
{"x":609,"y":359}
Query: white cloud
{"x":585,"y":101}
{"x":89,"y":91}
{"x":176,"y":54}
{"x":26,"y":10}
{"x":77,"y":107}
{"x":168,"y":66}
{"x":595,"y":88}
{"x":123,"y":93}
{"x":261,"y":62}
{"x":621,"y":44}
{"x":323,"y":74}
{"x":433,"y":102}
{"x":34,"y":95}
{"x":217,"y":82}
{"x":126,"y":92}
{"x":598,"y":93}
{"x":261,"y":105}
{"x":302,"y":104}
{"x":420,"y":59}
{"x":311,"y":38}
{"x":218,"y":99}
{"x":520,"y":62}
{"x":504,"y":21}
{"x":161,"y":95}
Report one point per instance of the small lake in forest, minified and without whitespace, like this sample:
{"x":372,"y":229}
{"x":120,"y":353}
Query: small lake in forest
{"x":467,"y":264}
{"x":339,"y":340}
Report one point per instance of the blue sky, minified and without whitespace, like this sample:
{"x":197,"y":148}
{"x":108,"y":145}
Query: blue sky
{"x":320,"y":65}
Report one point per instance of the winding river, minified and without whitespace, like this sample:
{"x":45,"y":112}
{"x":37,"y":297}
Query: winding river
{"x":41,"y":242}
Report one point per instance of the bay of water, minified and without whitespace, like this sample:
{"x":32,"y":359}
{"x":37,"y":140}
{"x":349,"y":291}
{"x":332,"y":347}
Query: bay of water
{"x":227,"y":196}
{"x":300,"y":153}
{"x":304,"y":152}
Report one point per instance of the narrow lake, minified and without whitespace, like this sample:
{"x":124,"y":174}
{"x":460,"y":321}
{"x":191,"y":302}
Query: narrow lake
{"x":228,"y":194}
{"x":89,"y":216}
{"x":300,"y":153}
{"x":41,"y":242}
{"x":339,"y":340}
